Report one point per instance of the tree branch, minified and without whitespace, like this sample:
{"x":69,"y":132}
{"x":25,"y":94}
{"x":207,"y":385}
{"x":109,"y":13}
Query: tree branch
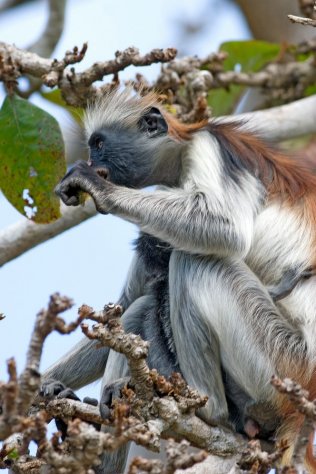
{"x":76,"y":88}
{"x":284,"y":122}
{"x":302,"y":21}
{"x":47,"y":42}
{"x":25,"y":234}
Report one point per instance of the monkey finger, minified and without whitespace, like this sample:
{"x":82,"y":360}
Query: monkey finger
{"x":102,"y":172}
{"x":91,"y":401}
{"x":68,"y":393}
{"x":110,"y":393}
{"x":62,"y":427}
{"x":308,"y":273}
{"x":51,"y":388}
{"x":68,"y":194}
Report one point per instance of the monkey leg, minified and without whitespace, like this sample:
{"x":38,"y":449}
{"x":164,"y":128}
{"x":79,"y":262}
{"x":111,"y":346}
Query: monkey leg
{"x":220,"y":302}
{"x":196,"y":342}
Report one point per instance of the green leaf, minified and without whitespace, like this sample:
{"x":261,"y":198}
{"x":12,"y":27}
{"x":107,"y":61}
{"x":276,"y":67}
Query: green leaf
{"x":13,"y":454}
{"x":32,"y":159}
{"x":248,"y":56}
{"x":56,"y":98}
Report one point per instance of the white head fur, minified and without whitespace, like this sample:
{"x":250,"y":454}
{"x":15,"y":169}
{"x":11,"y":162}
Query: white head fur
{"x":122,"y":107}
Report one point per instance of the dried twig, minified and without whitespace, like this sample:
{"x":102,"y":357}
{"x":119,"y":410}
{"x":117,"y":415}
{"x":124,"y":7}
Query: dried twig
{"x":297,"y":395}
{"x":69,"y":409}
{"x":46,"y":322}
{"x":302,"y":21}
{"x":133,"y":347}
{"x":76,"y":88}
{"x":172,"y":412}
{"x":256,"y":461}
{"x":286,"y":81}
{"x":178,"y":457}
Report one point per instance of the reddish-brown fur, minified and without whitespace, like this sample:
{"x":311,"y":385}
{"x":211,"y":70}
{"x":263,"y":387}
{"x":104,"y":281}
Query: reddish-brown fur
{"x":182,"y":131}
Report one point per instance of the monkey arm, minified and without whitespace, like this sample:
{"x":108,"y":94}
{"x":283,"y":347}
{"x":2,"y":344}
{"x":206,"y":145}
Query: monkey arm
{"x":186,"y":220}
{"x":82,"y":365}
{"x":193,"y":220}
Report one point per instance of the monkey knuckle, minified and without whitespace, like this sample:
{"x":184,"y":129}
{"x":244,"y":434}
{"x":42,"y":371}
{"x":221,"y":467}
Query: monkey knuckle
{"x":51,"y":388}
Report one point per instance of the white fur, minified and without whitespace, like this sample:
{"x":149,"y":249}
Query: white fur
{"x":116,"y":107}
{"x":282,"y":239}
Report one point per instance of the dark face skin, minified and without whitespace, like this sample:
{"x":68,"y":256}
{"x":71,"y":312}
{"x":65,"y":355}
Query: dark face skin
{"x":127,"y":154}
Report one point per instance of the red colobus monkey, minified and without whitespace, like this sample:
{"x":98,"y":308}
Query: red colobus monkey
{"x":238,"y":215}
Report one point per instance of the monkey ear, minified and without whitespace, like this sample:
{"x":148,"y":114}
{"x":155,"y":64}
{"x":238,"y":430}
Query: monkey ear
{"x":153,"y":122}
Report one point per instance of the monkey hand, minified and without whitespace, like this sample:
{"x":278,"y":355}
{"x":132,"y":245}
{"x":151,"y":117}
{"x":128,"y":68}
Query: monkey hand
{"x":109,"y":394}
{"x":82,"y":178}
{"x":51,"y":389}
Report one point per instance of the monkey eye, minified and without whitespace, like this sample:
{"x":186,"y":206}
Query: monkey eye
{"x":99,"y":143}
{"x":153,"y":123}
{"x":96,"y":141}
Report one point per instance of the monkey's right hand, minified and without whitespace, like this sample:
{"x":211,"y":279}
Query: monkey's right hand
{"x":110,"y":393}
{"x":81,"y":178}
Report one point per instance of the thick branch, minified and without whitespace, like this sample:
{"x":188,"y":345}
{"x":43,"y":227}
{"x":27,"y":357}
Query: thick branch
{"x":47,"y":42}
{"x":284,"y":122}
{"x":24,"y":235}
{"x":272,"y":76}
{"x":68,"y":409}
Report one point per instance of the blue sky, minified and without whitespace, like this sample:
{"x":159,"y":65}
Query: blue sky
{"x":89,"y":262}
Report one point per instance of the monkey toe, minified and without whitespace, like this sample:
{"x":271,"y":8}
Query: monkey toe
{"x":91,"y":401}
{"x":68,"y":393}
{"x":251,"y":428}
{"x":110,"y":393}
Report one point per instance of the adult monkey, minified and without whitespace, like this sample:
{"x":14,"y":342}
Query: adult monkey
{"x":239,"y":215}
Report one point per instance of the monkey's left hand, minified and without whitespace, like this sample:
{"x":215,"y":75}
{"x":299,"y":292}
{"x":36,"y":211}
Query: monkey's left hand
{"x":82,"y":178}
{"x":54,"y":389}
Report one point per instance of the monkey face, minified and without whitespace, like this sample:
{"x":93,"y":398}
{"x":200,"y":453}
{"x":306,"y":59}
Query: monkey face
{"x":129,"y":153}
